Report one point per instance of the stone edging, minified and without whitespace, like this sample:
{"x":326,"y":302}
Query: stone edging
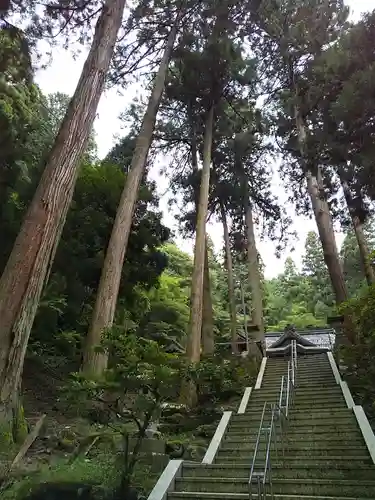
{"x":335,"y":370}
{"x":166,"y":481}
{"x":360,"y":415}
{"x":245,"y":400}
{"x":217,"y":438}
{"x":366,"y":430}
{"x":262,"y":368}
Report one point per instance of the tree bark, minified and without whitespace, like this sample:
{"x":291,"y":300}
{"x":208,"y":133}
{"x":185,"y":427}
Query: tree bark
{"x":327,"y":236}
{"x":106,"y":299}
{"x":230,"y":279}
{"x":31,"y":258}
{"x":364,"y":251}
{"x":254,"y":274}
{"x":322,"y":217}
{"x":188,"y":391}
{"x":207,"y":334}
{"x":208,"y":340}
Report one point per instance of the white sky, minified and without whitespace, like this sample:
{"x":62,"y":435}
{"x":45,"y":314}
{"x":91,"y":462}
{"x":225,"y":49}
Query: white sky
{"x":62,"y":76}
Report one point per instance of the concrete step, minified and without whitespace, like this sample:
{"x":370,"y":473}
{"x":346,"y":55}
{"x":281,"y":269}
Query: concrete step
{"x":306,"y":425}
{"x":321,"y":461}
{"x":310,"y":440}
{"x":349,"y":471}
{"x":322,"y":405}
{"x":300,"y":367}
{"x":199,"y":495}
{"x":294,"y":450}
{"x":312,"y":391}
{"x":326,"y":487}
{"x":336,"y":418}
{"x":319,"y":405}
{"x":326,"y":399}
{"x":300,"y":398}
{"x":301,"y":433}
{"x":302,"y":372}
{"x":297,"y":412}
{"x":303,"y":385}
{"x":305,"y":380}
{"x":339,"y":432}
{"x":298,"y":418}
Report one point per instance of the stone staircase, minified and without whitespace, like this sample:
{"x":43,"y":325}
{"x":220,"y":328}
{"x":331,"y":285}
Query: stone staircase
{"x":325,"y":455}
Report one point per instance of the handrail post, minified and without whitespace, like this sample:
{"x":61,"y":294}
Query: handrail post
{"x":287,"y":391}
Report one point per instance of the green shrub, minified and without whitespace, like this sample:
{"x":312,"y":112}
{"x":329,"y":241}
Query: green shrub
{"x":359,"y":357}
{"x":219,"y":379}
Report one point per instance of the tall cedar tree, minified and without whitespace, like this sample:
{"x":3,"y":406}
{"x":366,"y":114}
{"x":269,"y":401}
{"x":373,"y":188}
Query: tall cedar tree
{"x":34,"y":250}
{"x":293,"y":35}
{"x":106,"y":300}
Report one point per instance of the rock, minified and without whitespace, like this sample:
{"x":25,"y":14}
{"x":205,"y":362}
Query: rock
{"x":66,"y":444}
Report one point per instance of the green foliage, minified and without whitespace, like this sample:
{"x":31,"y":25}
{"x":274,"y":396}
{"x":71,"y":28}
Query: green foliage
{"x":103,"y":472}
{"x":304,"y":298}
{"x":141,"y":377}
{"x":359,"y":357}
{"x":219,"y":379}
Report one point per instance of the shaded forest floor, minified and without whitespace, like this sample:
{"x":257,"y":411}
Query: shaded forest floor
{"x":58,"y":453}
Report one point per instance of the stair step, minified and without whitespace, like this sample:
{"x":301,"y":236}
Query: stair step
{"x":300,"y":420}
{"x":349,"y":471}
{"x":187,"y":495}
{"x":299,"y":396}
{"x":323,"y":383}
{"x":307,"y":461}
{"x":296,"y":413}
{"x":302,"y":372}
{"x":312,"y":441}
{"x":308,"y":426}
{"x":324,"y":401}
{"x":300,"y":433}
{"x":303,"y":382}
{"x":339,"y":432}
{"x":292,"y":450}
{"x":300,"y":409}
{"x":281,"y":486}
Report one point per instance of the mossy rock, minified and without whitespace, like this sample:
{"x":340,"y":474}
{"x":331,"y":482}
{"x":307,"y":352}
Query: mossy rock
{"x":206,"y":430}
{"x":194,"y":452}
{"x":67,"y":444}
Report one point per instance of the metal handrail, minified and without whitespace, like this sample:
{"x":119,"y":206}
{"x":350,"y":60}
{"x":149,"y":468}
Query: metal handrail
{"x":279,"y":414}
{"x":258,"y":438}
{"x":265,"y":475}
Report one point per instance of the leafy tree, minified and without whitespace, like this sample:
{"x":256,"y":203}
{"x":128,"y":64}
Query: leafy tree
{"x":352,"y":262}
{"x":105,"y":305}
{"x":19,"y":115}
{"x":85,"y":235}
{"x":315,"y":270}
{"x":141,"y":377}
{"x":30,"y":261}
{"x":358,"y":357}
{"x":292,"y":36}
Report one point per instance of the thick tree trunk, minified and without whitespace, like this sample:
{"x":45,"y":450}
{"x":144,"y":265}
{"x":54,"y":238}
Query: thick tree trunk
{"x":106,"y":299}
{"x":364,"y":251}
{"x":322,"y":217}
{"x":188,"y":392}
{"x":327,"y":236}
{"x":230,"y":279}
{"x":30,"y":261}
{"x":208,"y":340}
{"x":254,"y":275}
